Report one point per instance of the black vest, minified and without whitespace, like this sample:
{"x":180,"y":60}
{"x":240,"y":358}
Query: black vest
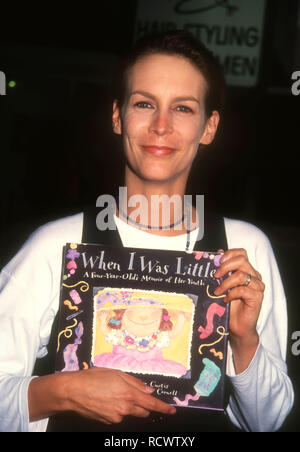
{"x":185,"y":420}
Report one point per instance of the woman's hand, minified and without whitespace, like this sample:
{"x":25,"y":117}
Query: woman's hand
{"x":109,"y":395}
{"x":246,"y":301}
{"x":102,"y":394}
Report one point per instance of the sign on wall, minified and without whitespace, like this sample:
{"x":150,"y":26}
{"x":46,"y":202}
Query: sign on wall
{"x":231,"y":29}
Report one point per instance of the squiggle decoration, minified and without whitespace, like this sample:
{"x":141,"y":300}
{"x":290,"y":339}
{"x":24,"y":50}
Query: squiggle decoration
{"x":221,"y":331}
{"x":85,"y":365}
{"x":213,"y":310}
{"x":66,"y":332}
{"x":213,"y":296}
{"x":217,"y":354}
{"x":84,"y":288}
{"x":70,"y":306}
{"x":185,"y":402}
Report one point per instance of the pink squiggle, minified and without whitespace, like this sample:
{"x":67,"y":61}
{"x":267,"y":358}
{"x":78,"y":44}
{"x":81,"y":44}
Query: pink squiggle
{"x":214,"y":309}
{"x":185,"y":402}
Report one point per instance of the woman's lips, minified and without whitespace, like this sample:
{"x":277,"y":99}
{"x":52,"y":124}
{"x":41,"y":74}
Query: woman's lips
{"x":159,"y":151}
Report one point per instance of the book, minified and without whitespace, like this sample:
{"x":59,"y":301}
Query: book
{"x":150,"y":313}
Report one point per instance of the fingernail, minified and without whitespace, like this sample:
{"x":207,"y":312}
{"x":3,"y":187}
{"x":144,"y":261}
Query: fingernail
{"x":149,"y":389}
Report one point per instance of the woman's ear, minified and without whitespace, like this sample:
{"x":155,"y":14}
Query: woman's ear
{"x":210,"y":128}
{"x":116,"y":118}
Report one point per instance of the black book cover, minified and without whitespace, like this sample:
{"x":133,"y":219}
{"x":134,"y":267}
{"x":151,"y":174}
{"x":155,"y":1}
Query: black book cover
{"x":150,"y":313}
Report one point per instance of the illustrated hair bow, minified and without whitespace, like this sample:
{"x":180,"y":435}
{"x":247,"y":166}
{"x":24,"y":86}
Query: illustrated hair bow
{"x":113,"y":321}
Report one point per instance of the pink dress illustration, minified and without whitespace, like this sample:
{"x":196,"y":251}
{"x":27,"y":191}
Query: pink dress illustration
{"x":138,"y":329}
{"x":143,"y":354}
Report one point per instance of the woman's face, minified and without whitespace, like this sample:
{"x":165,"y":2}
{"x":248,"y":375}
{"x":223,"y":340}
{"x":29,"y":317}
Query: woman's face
{"x":163,"y":118}
{"x":141,"y":321}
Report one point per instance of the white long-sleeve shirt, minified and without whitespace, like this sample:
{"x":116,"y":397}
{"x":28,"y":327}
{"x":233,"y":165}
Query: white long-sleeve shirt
{"x":29,"y":299}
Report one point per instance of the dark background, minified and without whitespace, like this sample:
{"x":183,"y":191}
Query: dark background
{"x":58,"y":152}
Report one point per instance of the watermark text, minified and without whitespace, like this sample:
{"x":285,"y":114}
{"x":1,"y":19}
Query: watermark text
{"x":2,"y":84}
{"x":296,"y":345}
{"x":296,"y":84}
{"x":159,"y":212}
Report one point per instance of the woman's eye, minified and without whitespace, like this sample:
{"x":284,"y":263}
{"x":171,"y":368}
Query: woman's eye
{"x":142,"y":104}
{"x":184,"y":109}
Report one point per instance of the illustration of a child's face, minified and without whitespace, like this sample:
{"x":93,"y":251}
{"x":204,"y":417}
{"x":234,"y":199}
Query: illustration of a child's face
{"x":142,"y":321}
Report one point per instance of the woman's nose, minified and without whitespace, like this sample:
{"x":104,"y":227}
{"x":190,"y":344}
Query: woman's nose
{"x":161,"y":123}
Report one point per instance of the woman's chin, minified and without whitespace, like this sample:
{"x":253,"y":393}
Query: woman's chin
{"x":157,"y":175}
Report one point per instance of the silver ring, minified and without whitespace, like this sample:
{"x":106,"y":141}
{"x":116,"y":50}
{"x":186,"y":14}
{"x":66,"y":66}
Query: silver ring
{"x":247,"y":282}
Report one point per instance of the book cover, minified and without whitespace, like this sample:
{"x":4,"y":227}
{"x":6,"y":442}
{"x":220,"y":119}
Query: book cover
{"x":149,"y":313}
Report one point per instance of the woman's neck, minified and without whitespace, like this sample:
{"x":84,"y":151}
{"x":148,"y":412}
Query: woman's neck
{"x":158,"y":208}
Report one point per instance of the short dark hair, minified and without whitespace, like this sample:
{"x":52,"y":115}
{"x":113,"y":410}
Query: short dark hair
{"x":183,"y":44}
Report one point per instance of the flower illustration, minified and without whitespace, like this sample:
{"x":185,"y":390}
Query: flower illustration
{"x":129,"y":340}
{"x":72,"y":254}
{"x":144,"y":343}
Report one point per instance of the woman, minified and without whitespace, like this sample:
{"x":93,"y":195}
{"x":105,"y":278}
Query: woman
{"x":169,"y":105}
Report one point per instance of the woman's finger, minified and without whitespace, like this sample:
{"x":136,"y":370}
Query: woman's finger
{"x":137,"y":383}
{"x":139,"y":411}
{"x":237,"y":263}
{"x":240,"y":278}
{"x":232,"y":252}
{"x":150,"y":403}
{"x":249,"y":296}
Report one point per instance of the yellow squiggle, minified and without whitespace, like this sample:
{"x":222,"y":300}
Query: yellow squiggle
{"x":221,"y":331}
{"x":85,"y":365}
{"x":217,"y":354}
{"x":84,"y":288}
{"x":213,"y":296}
{"x":70,"y":306}
{"x":66,"y":332}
